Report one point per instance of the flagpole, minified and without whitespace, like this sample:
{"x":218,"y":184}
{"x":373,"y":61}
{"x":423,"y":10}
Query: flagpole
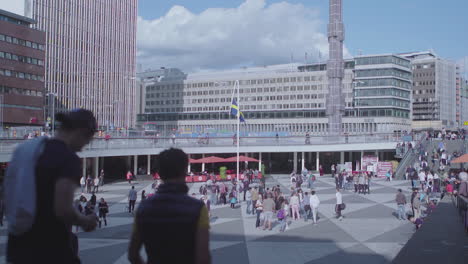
{"x":238,"y":126}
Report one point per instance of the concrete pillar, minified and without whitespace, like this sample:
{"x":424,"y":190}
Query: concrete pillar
{"x":135,"y":165}
{"x":351,"y":158}
{"x":377,"y":153}
{"x":84,"y":167}
{"x":303,"y":161}
{"x":148,"y":166}
{"x":203,"y":164}
{"x":342,"y":157}
{"x":317,"y":160}
{"x":260,"y":161}
{"x":96,"y":167}
{"x":295,"y":161}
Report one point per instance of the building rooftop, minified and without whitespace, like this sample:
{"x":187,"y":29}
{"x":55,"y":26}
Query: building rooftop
{"x":13,"y":16}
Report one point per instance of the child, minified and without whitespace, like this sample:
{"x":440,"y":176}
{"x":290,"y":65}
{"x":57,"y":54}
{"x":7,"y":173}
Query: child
{"x":233,"y":202}
{"x":416,"y":221}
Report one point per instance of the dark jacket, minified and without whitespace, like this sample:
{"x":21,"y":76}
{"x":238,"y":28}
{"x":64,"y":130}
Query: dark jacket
{"x":400,"y":198}
{"x":168,"y":222}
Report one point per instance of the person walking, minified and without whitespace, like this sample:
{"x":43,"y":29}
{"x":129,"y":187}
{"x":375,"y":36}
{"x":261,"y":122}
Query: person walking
{"x":129,"y":177}
{"x":48,"y":237}
{"x":321,"y":172}
{"x":132,"y":197}
{"x":254,"y":196}
{"x":339,"y":204}
{"x":307,"y":208}
{"x":400,"y":199}
{"x":83,"y":183}
{"x":294,"y":203}
{"x":101,"y":178}
{"x":258,"y":209}
{"x":361,"y":181}
{"x":248,"y":197}
{"x":103,"y":211}
{"x":356,"y":183}
{"x":89,"y":184}
{"x":281,"y":215}
{"x":96,"y":185}
{"x":314,"y":204}
{"x":143,"y":195}
{"x":172,"y":226}
{"x":416,"y":203}
{"x":268,"y":210}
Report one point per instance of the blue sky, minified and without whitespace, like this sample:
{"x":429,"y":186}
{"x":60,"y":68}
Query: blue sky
{"x":372,"y":26}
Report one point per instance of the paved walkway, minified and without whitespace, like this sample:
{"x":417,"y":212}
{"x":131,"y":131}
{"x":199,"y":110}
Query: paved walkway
{"x":369,"y":233}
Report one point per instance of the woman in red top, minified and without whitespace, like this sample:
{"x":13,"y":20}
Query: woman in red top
{"x":321,"y":170}
{"x":129,"y":177}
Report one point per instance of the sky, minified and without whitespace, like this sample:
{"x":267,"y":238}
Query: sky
{"x":199,"y":35}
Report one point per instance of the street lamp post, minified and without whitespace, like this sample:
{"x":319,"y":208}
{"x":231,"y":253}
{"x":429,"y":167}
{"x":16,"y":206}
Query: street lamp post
{"x":52,"y":95}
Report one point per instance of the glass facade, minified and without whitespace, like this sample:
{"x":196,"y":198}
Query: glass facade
{"x":383,"y":60}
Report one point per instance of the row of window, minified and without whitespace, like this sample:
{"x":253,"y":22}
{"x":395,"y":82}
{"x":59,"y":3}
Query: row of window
{"x":426,"y":91}
{"x":383,"y":102}
{"x":244,"y":99}
{"x":299,"y":88}
{"x":23,"y":59}
{"x":383,"y":60}
{"x":384,"y":82}
{"x":424,"y":74}
{"x":423,"y":83}
{"x":383,"y":72}
{"x":22,"y":107}
{"x":424,"y":100}
{"x":14,"y":21}
{"x":21,"y":42}
{"x":258,"y":81}
{"x":10,"y":90}
{"x":382,"y":92}
{"x":424,"y":66}
{"x":21,"y":75}
{"x":271,"y":115}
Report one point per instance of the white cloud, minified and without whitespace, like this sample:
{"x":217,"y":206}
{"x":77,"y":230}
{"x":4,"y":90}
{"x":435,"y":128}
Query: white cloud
{"x":252,"y":34}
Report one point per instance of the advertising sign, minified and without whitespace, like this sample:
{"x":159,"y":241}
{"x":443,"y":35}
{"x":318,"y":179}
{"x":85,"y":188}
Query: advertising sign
{"x":383,"y":168}
{"x":348,"y":166}
{"x":368,"y":161}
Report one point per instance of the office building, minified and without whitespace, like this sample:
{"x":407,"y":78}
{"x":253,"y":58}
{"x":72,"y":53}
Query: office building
{"x":91,"y":53}
{"x":285,"y":98}
{"x":21,"y":71}
{"x":434,"y":91}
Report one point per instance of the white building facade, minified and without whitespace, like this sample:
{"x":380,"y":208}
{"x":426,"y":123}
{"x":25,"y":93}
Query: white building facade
{"x":434,"y":91}
{"x":90,"y":56}
{"x":283,"y":98}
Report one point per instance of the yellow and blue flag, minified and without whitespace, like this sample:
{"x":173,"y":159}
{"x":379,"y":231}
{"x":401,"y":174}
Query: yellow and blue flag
{"x":235,"y":110}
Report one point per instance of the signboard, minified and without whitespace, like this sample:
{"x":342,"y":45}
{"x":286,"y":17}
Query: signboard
{"x":368,"y":161}
{"x":383,"y":168}
{"x":465,"y":123}
{"x":348,"y":166}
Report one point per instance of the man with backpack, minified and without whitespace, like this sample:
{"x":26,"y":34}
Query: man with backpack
{"x":41,"y":218}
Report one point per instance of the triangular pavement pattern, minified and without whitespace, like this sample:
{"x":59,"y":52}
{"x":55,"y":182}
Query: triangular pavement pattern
{"x":364,"y":229}
{"x":380,"y":197}
{"x":291,"y":252}
{"x":93,"y":243}
{"x":387,"y":249}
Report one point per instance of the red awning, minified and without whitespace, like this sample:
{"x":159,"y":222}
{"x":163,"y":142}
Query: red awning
{"x":210,"y":159}
{"x":241,"y":158}
{"x":462,"y":159}
{"x":192,"y":160}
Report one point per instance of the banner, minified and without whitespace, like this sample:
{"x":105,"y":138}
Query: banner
{"x":348,"y":166}
{"x":383,"y":168}
{"x":368,"y":161}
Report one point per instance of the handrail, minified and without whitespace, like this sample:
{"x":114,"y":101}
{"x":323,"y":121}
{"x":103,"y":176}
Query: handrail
{"x":461,"y":203}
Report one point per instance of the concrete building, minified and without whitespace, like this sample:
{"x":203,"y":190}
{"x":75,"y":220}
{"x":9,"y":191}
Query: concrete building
{"x":434,"y":91}
{"x":21,"y":71}
{"x":464,"y":103}
{"x":91,"y":53}
{"x":289,"y":99}
{"x":458,"y":84}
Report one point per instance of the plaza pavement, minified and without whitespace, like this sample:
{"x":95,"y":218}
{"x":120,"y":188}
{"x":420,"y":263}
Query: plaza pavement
{"x":369,"y":233}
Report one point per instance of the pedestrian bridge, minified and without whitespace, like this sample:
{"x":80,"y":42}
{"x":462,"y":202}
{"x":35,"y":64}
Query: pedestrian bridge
{"x":101,"y":147}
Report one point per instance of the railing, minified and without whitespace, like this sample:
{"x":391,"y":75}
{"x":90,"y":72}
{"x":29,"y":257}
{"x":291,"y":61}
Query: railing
{"x":410,"y":156}
{"x":7,"y":145}
{"x":461,"y":204}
